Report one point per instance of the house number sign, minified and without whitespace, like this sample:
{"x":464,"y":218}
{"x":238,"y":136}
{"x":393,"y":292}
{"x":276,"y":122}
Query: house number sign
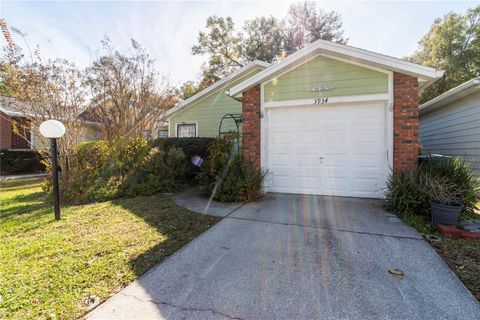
{"x":320,"y":100}
{"x":320,"y":87}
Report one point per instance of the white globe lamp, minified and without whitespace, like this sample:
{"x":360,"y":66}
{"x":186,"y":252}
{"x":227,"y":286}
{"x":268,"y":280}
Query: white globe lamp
{"x":52,"y":129}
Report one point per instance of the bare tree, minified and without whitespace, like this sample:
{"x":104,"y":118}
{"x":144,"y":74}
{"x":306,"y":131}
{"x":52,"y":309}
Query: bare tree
{"x":129,"y":98}
{"x":42,"y":90}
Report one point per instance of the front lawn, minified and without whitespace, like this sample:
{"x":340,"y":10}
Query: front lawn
{"x":48,"y":268}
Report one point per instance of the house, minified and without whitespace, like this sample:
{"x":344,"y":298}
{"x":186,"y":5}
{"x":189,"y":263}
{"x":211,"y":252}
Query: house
{"x":450,"y":123}
{"x":330,"y":119}
{"x":200,"y":115}
{"x":17,"y":131}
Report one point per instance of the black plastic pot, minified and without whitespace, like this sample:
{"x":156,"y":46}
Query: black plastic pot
{"x":445,"y":214}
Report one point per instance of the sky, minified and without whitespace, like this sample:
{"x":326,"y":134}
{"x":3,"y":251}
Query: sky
{"x":73,"y":30}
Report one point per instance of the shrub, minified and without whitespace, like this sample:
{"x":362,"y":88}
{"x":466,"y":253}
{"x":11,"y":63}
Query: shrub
{"x":20,"y":161}
{"x":406,"y":192}
{"x":227,"y":176}
{"x":160,"y":171}
{"x":92,"y":155}
{"x":104,"y":189}
{"x":129,"y":168}
{"x":409,"y":191}
{"x":190,"y":146}
{"x":459,"y":173}
{"x":79,"y":184}
{"x":126,"y":155}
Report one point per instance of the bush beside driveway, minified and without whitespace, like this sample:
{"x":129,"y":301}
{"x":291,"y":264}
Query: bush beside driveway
{"x":49,"y":268}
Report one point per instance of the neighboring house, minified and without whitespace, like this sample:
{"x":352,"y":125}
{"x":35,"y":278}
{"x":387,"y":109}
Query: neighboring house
{"x":330,"y":119}
{"x":450,"y":123}
{"x":200,"y":115}
{"x":12,"y":115}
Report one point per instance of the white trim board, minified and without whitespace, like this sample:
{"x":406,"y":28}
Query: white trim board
{"x":426,"y":75}
{"x":331,"y":100}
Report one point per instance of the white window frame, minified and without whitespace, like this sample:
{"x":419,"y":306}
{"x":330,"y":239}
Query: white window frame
{"x":164,"y":130}
{"x":186,"y":122}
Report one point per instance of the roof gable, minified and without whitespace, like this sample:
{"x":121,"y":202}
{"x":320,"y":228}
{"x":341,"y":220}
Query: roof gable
{"x":425,"y":75}
{"x":338,"y":78}
{"x":217,"y":85}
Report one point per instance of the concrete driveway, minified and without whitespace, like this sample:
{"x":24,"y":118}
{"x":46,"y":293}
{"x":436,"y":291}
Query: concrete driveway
{"x":298,"y":257}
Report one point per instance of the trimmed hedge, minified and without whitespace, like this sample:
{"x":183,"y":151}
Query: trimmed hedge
{"x":190,"y":147}
{"x":20,"y":162}
{"x":128,"y":168}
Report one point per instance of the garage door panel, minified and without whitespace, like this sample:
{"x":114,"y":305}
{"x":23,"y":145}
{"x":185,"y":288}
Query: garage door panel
{"x":282,"y":149}
{"x":309,"y":161}
{"x":366,"y":161}
{"x":282,"y":171}
{"x":306,"y":183}
{"x":334,"y":184}
{"x":282,"y":137}
{"x":330,"y":150}
{"x":365,"y":185}
{"x":284,"y":182}
{"x":338,"y":161}
{"x":281,"y":160}
{"x":335,"y":138}
{"x":367,"y":137}
{"x":304,"y":171}
{"x":302,"y":149}
{"x":305,"y":137}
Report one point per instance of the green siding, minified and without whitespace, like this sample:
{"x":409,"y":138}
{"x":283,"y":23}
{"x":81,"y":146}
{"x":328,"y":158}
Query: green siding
{"x":209,"y":111}
{"x":347,"y":79}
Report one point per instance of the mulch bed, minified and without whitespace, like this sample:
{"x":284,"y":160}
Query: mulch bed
{"x":463,"y":257}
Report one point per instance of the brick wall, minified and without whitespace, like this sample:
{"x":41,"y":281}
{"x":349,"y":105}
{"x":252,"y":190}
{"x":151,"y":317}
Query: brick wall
{"x":10,"y":140}
{"x":18,"y":141}
{"x":251,"y":125}
{"x":5,"y":131}
{"x":405,"y":122}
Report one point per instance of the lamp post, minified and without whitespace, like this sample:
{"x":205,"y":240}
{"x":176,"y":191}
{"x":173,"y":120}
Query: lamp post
{"x":53,"y":130}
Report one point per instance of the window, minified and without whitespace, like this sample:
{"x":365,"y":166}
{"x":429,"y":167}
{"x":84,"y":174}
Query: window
{"x":186,"y":130}
{"x":162,"y":134}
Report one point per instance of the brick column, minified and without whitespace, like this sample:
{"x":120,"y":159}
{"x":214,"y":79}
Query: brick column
{"x":405,"y":122}
{"x":251,"y":125}
{"x":5,"y":131}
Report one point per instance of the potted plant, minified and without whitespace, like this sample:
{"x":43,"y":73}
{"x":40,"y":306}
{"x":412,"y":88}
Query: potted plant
{"x":444,"y":201}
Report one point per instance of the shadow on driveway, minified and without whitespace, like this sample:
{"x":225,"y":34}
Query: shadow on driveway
{"x":299,"y":257}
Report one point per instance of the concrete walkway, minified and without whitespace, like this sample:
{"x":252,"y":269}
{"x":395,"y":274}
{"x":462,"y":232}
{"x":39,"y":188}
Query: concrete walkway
{"x":299,"y":257}
{"x":23,"y":176}
{"x":193,"y":200}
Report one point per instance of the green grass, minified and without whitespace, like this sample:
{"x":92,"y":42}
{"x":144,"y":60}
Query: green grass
{"x":49,"y":267}
{"x":420,"y":222}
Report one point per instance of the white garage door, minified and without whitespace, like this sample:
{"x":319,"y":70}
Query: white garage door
{"x":327,"y":150}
